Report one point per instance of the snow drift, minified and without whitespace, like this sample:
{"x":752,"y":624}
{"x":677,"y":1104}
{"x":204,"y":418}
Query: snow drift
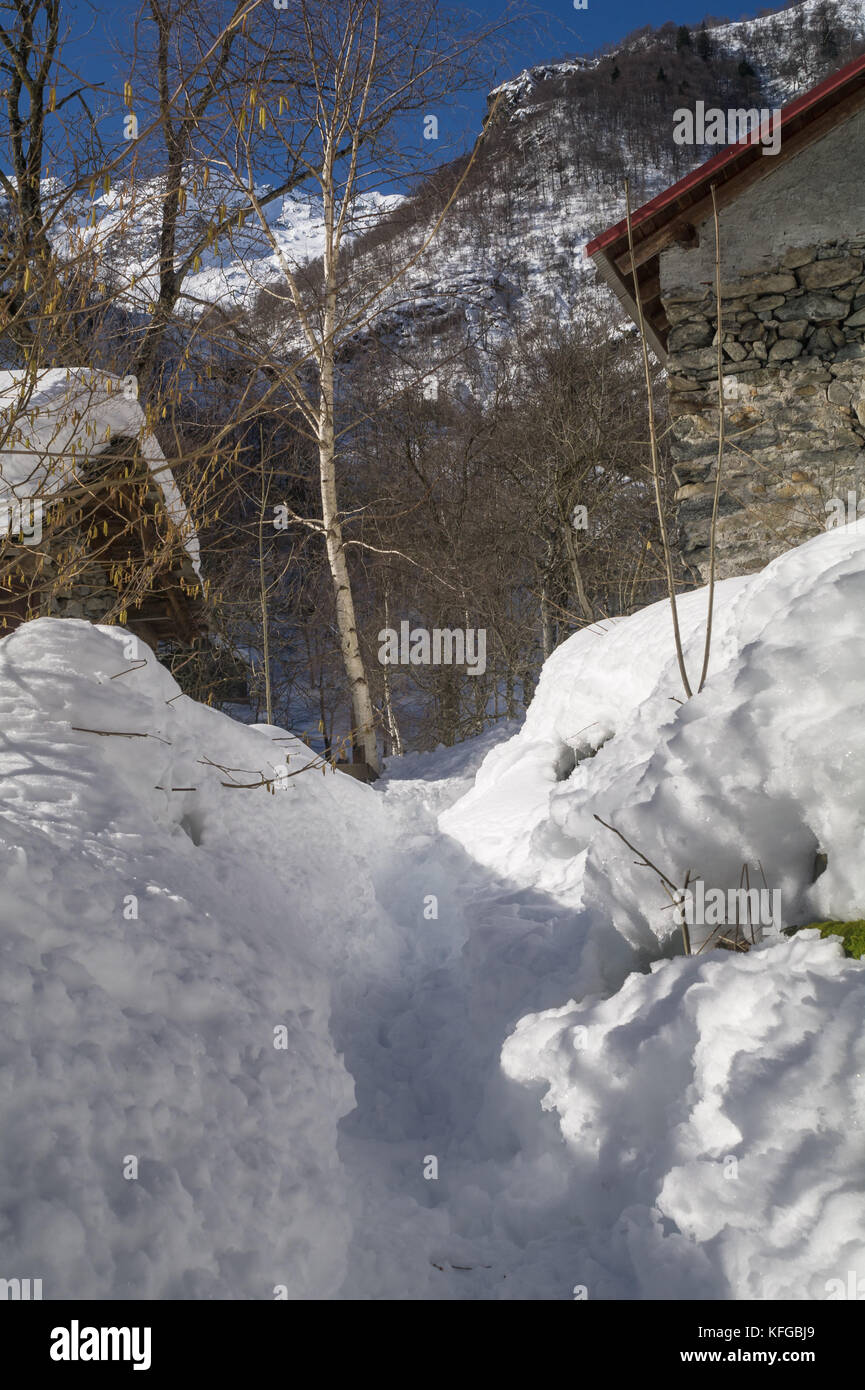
{"x":764,"y":767}
{"x":713,"y":1111}
{"x":699,"y":1132}
{"x":154,"y":941}
{"x":712,"y":1107}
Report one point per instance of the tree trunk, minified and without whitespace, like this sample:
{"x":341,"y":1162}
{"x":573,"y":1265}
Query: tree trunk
{"x":363,"y":714}
{"x":547,"y":638}
{"x":262,"y":578}
{"x":576,"y":573}
{"x":396,"y":746}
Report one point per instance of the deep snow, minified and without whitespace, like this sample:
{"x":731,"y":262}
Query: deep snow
{"x":475,"y":979}
{"x":152,"y":1036}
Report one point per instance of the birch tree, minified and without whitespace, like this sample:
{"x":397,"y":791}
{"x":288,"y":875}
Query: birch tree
{"x":337,"y":109}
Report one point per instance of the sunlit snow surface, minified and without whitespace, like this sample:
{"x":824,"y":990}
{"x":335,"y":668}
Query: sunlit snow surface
{"x":505,"y":998}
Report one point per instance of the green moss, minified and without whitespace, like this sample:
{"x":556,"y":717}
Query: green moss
{"x":851,"y":933}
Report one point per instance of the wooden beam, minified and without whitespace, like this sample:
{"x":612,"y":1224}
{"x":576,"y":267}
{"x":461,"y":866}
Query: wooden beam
{"x":626,"y":299}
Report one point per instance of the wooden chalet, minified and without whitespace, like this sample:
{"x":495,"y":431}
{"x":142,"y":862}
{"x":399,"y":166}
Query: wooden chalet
{"x":92,"y":524}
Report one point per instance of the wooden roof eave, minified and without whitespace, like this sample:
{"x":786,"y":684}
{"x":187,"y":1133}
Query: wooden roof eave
{"x":619,"y":285}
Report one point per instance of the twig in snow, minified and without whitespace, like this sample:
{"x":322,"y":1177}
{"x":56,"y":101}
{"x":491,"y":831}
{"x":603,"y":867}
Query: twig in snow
{"x":656,"y":464}
{"x":676,"y":896}
{"x":116,"y":733}
{"x":135,"y":667}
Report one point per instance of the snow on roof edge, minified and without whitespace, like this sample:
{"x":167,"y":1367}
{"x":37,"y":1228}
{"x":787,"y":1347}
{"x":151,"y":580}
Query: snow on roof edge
{"x":52,"y":413}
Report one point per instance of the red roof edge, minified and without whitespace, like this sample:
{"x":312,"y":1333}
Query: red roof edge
{"x":704,"y":172}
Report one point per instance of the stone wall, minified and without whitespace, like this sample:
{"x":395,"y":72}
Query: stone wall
{"x":793,"y":338}
{"x":793,"y":321}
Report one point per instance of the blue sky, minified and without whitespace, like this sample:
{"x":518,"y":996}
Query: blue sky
{"x":557,"y":27}
{"x":583,"y":31}
{"x":561,"y":27}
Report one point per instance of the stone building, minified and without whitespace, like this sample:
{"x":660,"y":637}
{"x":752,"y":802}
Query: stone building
{"x":792,"y":239}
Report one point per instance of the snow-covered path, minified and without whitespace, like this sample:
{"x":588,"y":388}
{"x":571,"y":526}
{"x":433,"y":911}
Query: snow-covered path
{"x":422,"y":1036}
{"x":703,"y":1067}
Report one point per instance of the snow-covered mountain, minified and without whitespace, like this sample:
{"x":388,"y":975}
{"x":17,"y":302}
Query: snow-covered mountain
{"x":567,"y":135}
{"x":552,"y":172}
{"x":550,"y":176}
{"x":121,"y":225}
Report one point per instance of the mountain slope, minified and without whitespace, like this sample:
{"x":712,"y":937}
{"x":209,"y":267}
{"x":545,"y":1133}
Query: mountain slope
{"x":550,"y":176}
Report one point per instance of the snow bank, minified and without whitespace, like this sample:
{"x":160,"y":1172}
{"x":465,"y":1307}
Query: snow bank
{"x":590,"y":685}
{"x":764,"y":767}
{"x":712,"y":1107}
{"x":702,"y":1127}
{"x":153,"y":941}
{"x":714,"y":1111}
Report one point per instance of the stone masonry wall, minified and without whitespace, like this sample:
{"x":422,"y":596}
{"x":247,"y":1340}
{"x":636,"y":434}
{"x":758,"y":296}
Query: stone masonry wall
{"x":793,"y":339}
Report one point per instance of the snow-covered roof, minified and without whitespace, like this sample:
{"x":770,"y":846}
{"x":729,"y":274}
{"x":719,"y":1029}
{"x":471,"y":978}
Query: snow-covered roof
{"x":52,"y":421}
